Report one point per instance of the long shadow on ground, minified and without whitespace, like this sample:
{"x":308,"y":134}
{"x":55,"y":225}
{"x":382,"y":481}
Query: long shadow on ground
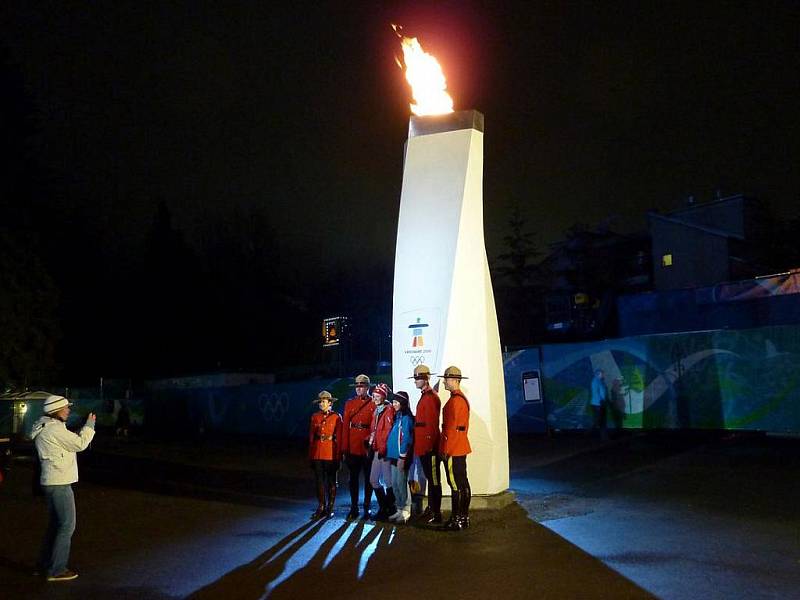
{"x":503,"y":554}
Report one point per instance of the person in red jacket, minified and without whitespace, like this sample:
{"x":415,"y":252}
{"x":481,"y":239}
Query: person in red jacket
{"x":356,"y":426}
{"x":454,"y":447}
{"x":380,"y":476}
{"x":324,"y":435}
{"x":426,"y":443}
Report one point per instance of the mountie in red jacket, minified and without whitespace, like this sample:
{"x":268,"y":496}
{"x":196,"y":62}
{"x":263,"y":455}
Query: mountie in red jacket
{"x":324,"y":436}
{"x":455,"y":426}
{"x":426,"y":427}
{"x":356,"y":425}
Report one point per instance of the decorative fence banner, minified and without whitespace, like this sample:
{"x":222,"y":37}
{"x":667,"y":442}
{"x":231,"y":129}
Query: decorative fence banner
{"x":746,"y":379}
{"x":743,"y":380}
{"x":273,"y":410}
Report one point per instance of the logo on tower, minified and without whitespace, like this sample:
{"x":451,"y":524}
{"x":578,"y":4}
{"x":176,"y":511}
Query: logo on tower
{"x":419,"y":329}
{"x":418,"y":341}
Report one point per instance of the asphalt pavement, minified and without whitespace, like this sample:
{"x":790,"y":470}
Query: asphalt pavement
{"x":645,"y":515}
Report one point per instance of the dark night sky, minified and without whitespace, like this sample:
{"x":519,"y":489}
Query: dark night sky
{"x":593,"y":110}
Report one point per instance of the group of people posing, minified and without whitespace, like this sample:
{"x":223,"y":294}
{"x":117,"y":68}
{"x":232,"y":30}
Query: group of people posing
{"x":380,"y":438}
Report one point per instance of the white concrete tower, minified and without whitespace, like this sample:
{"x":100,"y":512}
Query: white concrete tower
{"x":444,"y":312}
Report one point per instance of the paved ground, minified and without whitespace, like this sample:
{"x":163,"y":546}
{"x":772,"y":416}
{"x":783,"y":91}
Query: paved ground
{"x":673,"y":516}
{"x":682,"y":516}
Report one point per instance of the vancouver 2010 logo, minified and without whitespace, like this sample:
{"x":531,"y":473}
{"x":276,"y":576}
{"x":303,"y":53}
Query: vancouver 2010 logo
{"x":416,"y":350}
{"x":417,"y":341}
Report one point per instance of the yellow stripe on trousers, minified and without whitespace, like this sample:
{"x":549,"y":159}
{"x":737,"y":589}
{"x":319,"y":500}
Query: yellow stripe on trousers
{"x":434,"y":471}
{"x":452,"y":481}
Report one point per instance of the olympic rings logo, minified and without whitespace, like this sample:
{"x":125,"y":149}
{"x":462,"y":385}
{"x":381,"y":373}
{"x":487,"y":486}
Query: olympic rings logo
{"x":274,"y":406}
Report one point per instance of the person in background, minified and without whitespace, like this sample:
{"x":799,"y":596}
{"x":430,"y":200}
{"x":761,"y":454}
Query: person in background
{"x":56,"y":447}
{"x":454,"y":447}
{"x":356,"y":424}
{"x":616,"y":405}
{"x":380,"y":476}
{"x":426,"y":443}
{"x":123,"y":423}
{"x":324,"y":434}
{"x":400,"y":452}
{"x":599,"y":403}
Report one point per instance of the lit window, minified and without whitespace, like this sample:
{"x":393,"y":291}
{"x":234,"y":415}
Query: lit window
{"x":666,"y":260}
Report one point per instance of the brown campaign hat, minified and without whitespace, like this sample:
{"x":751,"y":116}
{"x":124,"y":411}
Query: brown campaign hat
{"x":453,"y":373}
{"x":325,"y":395}
{"x":361,"y":380}
{"x":422,"y":372}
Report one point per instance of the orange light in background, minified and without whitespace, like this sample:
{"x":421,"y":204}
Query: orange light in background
{"x":425,"y":76}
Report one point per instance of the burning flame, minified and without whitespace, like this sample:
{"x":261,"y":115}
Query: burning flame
{"x":425,"y":76}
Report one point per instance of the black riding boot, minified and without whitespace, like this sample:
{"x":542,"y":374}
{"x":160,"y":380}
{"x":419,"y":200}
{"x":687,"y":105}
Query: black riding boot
{"x":453,"y":523}
{"x":353,"y":484}
{"x":367,"y":497}
{"x":391,"y":504}
{"x":434,"y":510}
{"x":381,"y":515}
{"x":331,"y":501}
{"x":466,"y":496}
{"x":435,"y":499}
{"x":320,"y":512}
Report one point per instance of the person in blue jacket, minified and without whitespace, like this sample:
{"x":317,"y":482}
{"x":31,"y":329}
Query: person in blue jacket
{"x":400,"y":452}
{"x":599,"y":403}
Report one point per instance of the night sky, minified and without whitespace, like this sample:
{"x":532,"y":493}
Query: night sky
{"x":595,"y":111}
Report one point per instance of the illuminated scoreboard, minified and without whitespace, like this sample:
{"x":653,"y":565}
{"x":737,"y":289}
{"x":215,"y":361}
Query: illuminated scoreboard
{"x":333,"y":331}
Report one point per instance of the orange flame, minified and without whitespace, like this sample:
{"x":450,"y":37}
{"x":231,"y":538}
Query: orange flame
{"x":425,"y":76}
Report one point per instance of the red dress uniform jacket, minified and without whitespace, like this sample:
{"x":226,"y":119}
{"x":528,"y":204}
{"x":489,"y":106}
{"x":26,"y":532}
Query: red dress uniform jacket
{"x":356,"y":425}
{"x":455,"y":426}
{"x":426,"y":428}
{"x":382,"y":424}
{"x":324,"y":435}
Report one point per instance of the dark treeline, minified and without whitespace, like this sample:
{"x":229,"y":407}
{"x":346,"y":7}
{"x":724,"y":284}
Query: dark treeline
{"x":82,"y":297}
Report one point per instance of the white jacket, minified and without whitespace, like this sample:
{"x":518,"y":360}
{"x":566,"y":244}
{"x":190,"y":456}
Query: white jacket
{"x":56,"y":446}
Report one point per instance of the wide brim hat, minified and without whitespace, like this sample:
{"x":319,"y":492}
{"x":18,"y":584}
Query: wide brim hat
{"x":361,"y":380}
{"x":324,"y":395}
{"x":452,"y":372}
{"x":420,"y":370}
{"x":55,"y":403}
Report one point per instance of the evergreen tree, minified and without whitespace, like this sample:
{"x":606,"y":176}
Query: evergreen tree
{"x":517,"y":261}
{"x":517,"y":285}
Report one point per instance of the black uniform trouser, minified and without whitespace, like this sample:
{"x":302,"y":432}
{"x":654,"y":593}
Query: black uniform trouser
{"x":430,"y":466}
{"x":325,"y":472}
{"x":456,"y":469}
{"x":358,"y":464}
